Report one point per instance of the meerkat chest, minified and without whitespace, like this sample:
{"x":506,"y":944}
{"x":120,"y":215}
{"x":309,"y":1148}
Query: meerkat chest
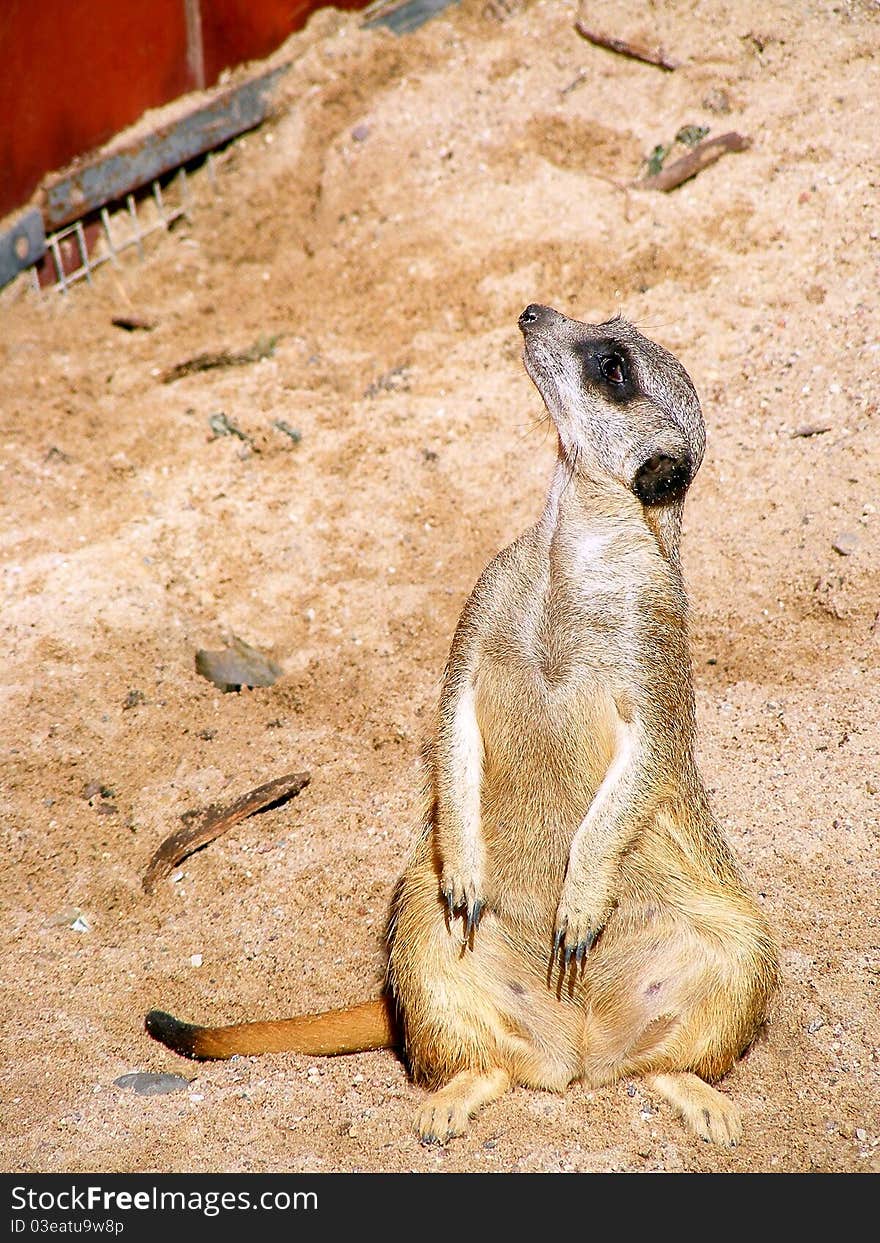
{"x":546,"y":746}
{"x":601,"y":570}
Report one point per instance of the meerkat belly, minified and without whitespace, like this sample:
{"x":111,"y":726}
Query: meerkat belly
{"x":546,"y":749}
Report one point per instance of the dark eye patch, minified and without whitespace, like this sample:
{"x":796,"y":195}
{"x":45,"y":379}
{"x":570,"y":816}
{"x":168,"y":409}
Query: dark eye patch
{"x":607,"y":365}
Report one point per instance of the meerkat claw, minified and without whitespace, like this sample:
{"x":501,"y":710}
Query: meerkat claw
{"x":469,"y":908}
{"x":471,"y":915}
{"x":577,"y":951}
{"x":446,"y":894}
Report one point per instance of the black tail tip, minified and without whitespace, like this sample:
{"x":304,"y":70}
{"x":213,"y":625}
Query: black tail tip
{"x":180,"y":1037}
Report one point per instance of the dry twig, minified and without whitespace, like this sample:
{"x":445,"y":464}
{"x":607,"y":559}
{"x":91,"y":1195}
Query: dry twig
{"x":636,"y":51}
{"x":262,"y":348}
{"x":133,"y":323}
{"x":200,"y":828}
{"x":704,"y":154}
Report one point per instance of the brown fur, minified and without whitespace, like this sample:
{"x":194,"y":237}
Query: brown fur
{"x":570,"y":910}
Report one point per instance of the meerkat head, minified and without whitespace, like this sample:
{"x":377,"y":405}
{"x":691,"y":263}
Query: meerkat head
{"x":623,"y":406}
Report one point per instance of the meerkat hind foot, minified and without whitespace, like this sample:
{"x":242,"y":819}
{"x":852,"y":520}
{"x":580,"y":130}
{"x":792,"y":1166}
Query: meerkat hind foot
{"x":709,"y":1114}
{"x":446,"y":1112}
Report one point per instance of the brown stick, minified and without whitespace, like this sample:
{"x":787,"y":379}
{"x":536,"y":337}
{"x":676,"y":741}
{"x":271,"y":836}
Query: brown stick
{"x":634,"y":50}
{"x":704,"y":154}
{"x":200,"y":828}
{"x":133,"y":323}
{"x":263,"y":348}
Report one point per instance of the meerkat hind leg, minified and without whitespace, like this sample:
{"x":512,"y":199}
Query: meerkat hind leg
{"x":446,"y":1112}
{"x":709,"y":1114}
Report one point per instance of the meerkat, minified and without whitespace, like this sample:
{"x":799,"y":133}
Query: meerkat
{"x":570,"y":910}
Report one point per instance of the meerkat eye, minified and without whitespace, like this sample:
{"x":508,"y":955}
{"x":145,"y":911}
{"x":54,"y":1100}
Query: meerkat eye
{"x":613,"y":368}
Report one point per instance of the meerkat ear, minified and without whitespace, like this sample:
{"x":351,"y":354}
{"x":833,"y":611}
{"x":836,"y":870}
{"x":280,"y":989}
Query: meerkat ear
{"x":663,"y":478}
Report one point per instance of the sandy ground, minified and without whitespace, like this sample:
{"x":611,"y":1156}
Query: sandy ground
{"x":411,"y":196}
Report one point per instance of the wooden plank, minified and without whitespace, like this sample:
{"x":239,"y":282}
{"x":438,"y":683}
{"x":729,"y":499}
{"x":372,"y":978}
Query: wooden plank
{"x":105,"y":179}
{"x":402,"y":16}
{"x":23,"y":244}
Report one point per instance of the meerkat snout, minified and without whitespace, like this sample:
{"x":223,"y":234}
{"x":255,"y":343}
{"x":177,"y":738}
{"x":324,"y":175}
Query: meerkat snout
{"x":624,"y":407}
{"x":533,"y":312}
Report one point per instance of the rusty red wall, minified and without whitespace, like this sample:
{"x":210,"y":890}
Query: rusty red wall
{"x":259,"y":26}
{"x":75,"y":72}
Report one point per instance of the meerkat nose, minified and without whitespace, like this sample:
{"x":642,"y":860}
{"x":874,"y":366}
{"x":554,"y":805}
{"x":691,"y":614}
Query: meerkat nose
{"x":530,"y":316}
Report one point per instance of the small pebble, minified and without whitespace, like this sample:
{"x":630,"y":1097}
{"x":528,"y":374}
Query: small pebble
{"x":195,"y":960}
{"x":295,"y":436}
{"x":236,"y":666}
{"x":360,"y":133}
{"x":69,"y":917}
{"x":717,"y":101}
{"x":147,"y":1083}
{"x":846,"y":543}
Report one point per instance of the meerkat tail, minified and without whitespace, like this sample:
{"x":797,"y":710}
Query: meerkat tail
{"x":355,"y":1029}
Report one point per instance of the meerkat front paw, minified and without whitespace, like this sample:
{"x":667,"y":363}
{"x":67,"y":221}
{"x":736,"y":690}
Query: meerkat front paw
{"x":462,"y":893}
{"x":580,"y":917}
